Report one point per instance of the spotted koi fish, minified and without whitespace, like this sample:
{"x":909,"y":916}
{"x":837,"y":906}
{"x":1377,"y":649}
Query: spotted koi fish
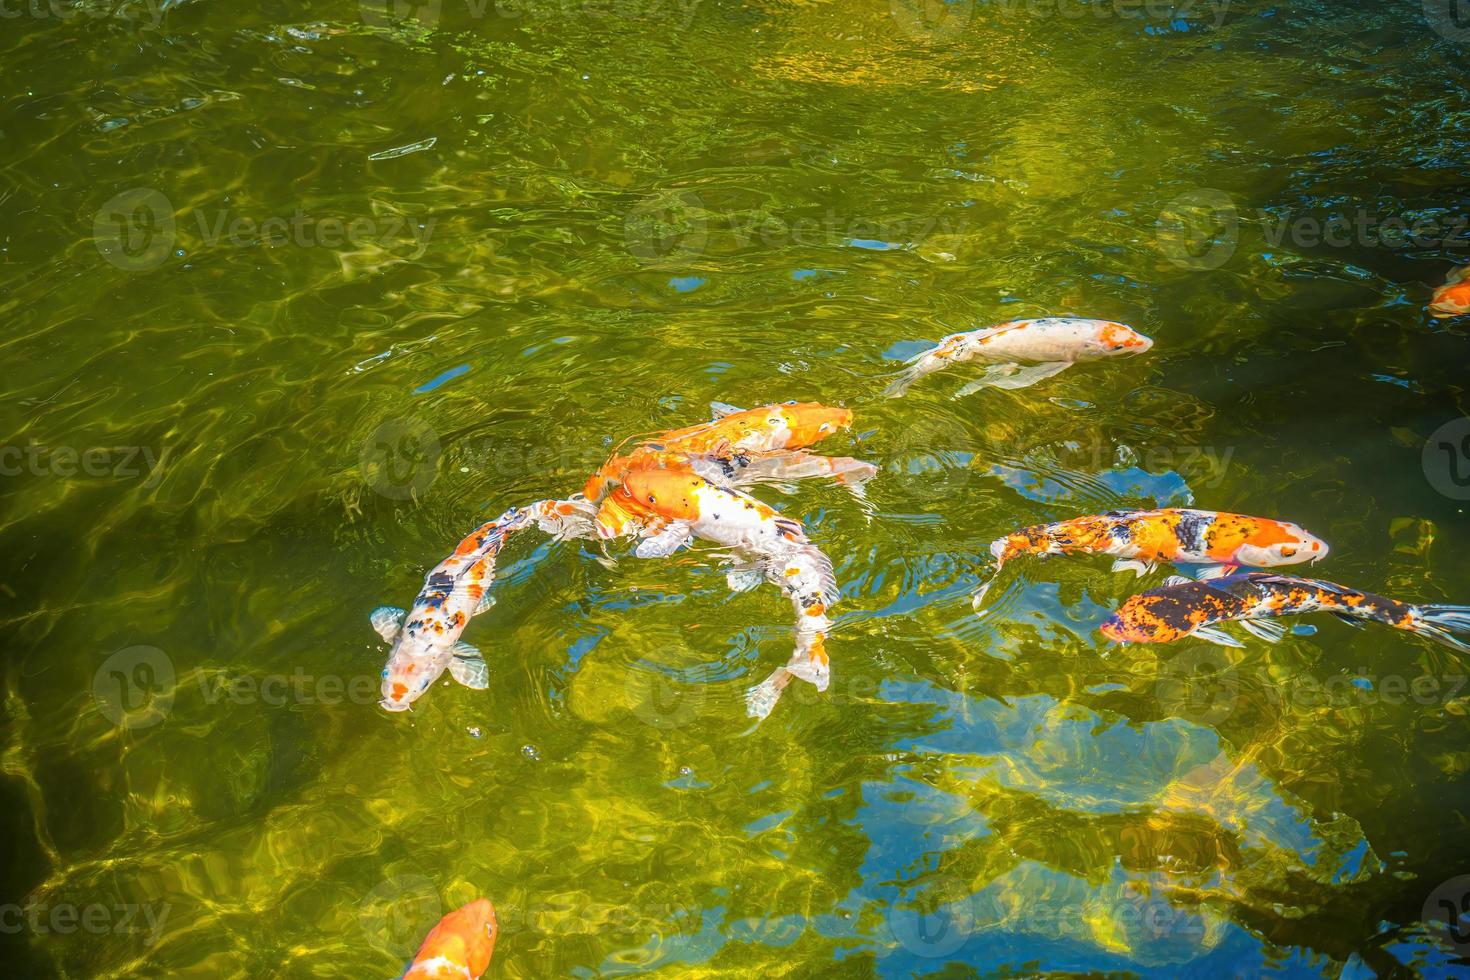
{"x":425,"y":640}
{"x":1453,"y":298}
{"x":459,"y":947}
{"x":669,"y":507}
{"x":1023,"y":352}
{"x":740,"y":447}
{"x":1141,"y":539}
{"x":1186,"y":608}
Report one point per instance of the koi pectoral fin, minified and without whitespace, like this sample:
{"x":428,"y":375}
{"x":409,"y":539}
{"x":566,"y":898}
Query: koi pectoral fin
{"x":1138,"y":568}
{"x":1212,"y":634}
{"x":387,"y":621}
{"x":1013,"y":376}
{"x":468,"y":667}
{"x":743,"y":578}
{"x":665,"y":542}
{"x":1208,"y":572}
{"x":1264,"y":629}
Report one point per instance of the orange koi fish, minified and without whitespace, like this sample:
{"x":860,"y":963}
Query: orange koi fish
{"x":1141,"y":539}
{"x":669,"y":507}
{"x":425,"y":641}
{"x":1185,"y":608}
{"x":745,"y":446}
{"x":1453,"y":298}
{"x":1023,"y":352}
{"x":459,"y":947}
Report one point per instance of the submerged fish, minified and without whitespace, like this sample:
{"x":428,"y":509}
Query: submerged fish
{"x":426,"y":639}
{"x":459,"y":947}
{"x":739,"y":447}
{"x":669,"y":507}
{"x":1023,"y":352}
{"x":1185,"y":608}
{"x":1141,"y":539}
{"x":1453,"y":298}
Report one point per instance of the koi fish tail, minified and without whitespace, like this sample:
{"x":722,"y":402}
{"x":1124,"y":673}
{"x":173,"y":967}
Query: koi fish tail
{"x":1449,"y":625}
{"x":807,"y":577}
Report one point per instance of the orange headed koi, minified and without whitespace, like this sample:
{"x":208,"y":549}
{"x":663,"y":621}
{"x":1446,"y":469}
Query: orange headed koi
{"x":672,"y":506}
{"x":459,"y":947}
{"x":744,"y":446}
{"x":1186,"y":608}
{"x":1140,"y":539}
{"x":1047,"y":346}
{"x":1453,"y":298}
{"x":426,"y":639}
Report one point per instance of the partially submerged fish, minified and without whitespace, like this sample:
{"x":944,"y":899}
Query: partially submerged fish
{"x":426,"y":639}
{"x":1023,"y":352}
{"x":740,"y":447}
{"x":669,"y":507}
{"x":1141,"y":539}
{"x":1185,"y":608}
{"x":1453,"y":298}
{"x":459,"y":947}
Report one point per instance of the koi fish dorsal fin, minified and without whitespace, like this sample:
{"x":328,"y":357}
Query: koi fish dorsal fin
{"x":720,"y":410}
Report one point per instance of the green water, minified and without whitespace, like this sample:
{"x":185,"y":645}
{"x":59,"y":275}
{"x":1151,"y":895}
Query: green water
{"x":305,"y":365}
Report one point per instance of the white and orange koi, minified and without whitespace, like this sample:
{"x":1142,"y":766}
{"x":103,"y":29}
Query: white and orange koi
{"x":1142,"y":539}
{"x":459,"y":947}
{"x":668,"y":507}
{"x":426,"y":639}
{"x":741,"y":447}
{"x":1023,"y":352}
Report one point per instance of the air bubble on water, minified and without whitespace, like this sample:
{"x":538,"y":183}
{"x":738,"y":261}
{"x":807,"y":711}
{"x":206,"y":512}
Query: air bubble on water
{"x":685,"y":771}
{"x":474,"y":731}
{"x":529,"y":751}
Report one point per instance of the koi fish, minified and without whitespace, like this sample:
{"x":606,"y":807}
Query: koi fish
{"x":425,"y":641}
{"x":1023,"y":352}
{"x":1453,"y":298}
{"x":1141,"y":539}
{"x":459,"y":947}
{"x":1186,"y":608}
{"x":668,"y":508}
{"x":744,"y":446}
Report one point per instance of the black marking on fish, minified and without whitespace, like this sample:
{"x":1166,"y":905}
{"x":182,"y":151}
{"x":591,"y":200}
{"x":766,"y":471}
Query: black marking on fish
{"x":1193,"y":530}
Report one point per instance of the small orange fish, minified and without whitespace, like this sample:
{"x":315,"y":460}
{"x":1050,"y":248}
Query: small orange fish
{"x":1453,"y":298}
{"x":459,"y":947}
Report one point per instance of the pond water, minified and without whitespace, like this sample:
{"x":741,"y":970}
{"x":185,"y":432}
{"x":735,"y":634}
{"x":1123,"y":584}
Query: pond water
{"x":295,"y":295}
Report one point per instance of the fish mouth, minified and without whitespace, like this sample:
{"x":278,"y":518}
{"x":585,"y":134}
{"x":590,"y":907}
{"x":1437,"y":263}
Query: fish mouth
{"x":393,"y":706}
